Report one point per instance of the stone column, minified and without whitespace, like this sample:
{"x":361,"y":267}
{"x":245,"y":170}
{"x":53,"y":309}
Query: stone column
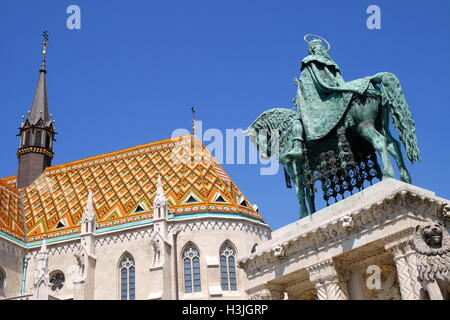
{"x":405,"y":261}
{"x":357,"y":285}
{"x":410,"y":257}
{"x":326,"y":279}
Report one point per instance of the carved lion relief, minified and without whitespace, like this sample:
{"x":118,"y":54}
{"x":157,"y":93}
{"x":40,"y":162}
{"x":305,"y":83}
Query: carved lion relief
{"x":432,"y":244}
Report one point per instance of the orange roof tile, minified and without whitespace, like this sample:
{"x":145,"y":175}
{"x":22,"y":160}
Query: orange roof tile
{"x":123,"y":180}
{"x":11,"y":217}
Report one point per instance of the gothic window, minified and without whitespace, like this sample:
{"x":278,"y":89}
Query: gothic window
{"x":191,"y":265}
{"x":57,"y":280}
{"x":27,"y":138}
{"x":48,"y":137}
{"x":228,"y":268}
{"x":38,"y":138}
{"x":127,"y":278}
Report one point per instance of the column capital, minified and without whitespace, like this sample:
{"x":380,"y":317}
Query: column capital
{"x":401,"y":247}
{"x":323,"y":271}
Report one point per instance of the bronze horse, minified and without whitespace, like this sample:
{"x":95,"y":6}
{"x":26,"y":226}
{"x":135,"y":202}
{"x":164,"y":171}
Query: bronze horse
{"x":272,"y":132}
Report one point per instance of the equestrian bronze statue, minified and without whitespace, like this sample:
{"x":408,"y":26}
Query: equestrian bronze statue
{"x":332,"y":133}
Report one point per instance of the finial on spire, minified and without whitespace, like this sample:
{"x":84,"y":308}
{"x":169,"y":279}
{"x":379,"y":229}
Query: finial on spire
{"x":44,"y":50}
{"x":193,"y":121}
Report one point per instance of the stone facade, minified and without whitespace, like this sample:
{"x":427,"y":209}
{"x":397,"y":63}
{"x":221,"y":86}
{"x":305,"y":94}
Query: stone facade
{"x":152,"y":282}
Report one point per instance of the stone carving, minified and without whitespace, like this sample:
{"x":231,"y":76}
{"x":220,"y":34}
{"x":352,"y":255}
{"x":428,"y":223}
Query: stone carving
{"x":432,"y":244}
{"x":41,"y":276}
{"x":261,"y":295}
{"x":363,"y":219}
{"x":156,"y":244}
{"x":81,"y":257}
{"x":278,"y":251}
{"x":446,"y":212}
{"x":326,"y":279}
{"x":347,"y":222}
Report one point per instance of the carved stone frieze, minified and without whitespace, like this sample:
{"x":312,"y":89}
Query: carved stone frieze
{"x":335,"y":231}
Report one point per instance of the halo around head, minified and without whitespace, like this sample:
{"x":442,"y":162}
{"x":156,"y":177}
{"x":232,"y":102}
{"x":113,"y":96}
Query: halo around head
{"x":314,"y":36}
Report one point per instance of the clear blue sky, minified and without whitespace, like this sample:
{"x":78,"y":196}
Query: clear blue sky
{"x":132,"y":72}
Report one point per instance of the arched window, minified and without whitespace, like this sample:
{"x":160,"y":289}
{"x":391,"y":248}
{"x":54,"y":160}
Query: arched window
{"x":38,"y":138}
{"x":127,"y":278}
{"x":191,"y":264}
{"x":228,"y":267}
{"x":27,"y":138}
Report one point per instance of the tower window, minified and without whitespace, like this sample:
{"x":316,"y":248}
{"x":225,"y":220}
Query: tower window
{"x":38,"y":138}
{"x":127,"y":278}
{"x":228,"y":268}
{"x":47,"y":141}
{"x":27,"y":138}
{"x":191,"y":264}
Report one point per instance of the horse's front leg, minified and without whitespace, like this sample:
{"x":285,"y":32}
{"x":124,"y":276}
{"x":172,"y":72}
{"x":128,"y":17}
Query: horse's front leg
{"x":367,"y":130}
{"x":299,"y":190}
{"x":301,"y":199}
{"x":310,"y":197}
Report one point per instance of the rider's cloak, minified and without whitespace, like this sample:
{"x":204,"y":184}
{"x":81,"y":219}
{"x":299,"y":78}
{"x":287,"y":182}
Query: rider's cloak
{"x":324,"y":95}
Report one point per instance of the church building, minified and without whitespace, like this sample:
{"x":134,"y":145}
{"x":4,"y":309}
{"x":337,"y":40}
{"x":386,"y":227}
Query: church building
{"x":139,"y":223}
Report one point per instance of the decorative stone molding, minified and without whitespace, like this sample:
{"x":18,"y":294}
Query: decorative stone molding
{"x":398,"y":204}
{"x":124,"y":235}
{"x":260,"y":295}
{"x":60,"y":248}
{"x":266,"y":292}
{"x":326,"y":279}
{"x":220,"y":224}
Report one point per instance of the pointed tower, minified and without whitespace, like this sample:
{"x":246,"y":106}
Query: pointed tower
{"x":162,"y":266}
{"x":160,"y":207}
{"x":37,"y":133}
{"x":41,"y":275}
{"x":84,"y":283}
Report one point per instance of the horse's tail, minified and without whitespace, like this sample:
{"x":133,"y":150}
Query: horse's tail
{"x":392,"y":96}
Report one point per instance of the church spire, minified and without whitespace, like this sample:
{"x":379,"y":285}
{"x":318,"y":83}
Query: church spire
{"x":39,"y":108}
{"x":35,"y":151}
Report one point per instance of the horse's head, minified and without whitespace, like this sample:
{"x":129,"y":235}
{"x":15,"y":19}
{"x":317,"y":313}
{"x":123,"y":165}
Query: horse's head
{"x":257,"y":134}
{"x":265,"y":131}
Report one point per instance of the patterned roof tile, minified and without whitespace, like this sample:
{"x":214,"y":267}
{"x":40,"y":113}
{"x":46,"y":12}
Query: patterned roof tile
{"x":120,"y":181}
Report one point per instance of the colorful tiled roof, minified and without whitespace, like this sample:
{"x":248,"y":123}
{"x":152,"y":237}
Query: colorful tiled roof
{"x":11,"y":217}
{"x":124,"y":185}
